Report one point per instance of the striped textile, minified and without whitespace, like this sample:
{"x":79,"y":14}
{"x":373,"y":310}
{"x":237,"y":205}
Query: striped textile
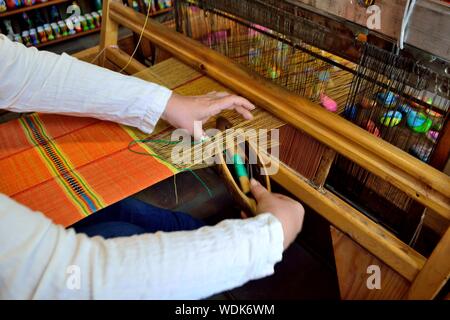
{"x":68,"y":167}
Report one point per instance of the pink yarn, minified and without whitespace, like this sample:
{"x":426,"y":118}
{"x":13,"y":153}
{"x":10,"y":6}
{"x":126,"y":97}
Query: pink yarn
{"x":328,"y":103}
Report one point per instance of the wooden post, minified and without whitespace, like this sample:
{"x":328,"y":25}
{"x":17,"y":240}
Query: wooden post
{"x":435,"y":273}
{"x":109,"y":34}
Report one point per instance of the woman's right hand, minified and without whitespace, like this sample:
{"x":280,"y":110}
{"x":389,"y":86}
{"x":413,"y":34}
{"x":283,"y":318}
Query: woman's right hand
{"x":287,"y":210}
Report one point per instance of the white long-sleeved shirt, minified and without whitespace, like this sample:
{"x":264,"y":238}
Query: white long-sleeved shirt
{"x":41,"y":260}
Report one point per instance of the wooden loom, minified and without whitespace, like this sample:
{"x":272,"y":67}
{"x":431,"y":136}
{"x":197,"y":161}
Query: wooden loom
{"x":422,"y":277}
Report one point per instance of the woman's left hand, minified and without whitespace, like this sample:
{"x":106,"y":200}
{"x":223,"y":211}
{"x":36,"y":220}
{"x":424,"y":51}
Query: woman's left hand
{"x":186,"y":112}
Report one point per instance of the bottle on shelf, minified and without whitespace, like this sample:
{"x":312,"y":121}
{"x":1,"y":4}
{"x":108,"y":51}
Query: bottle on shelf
{"x":84,"y":24}
{"x":97,"y":20}
{"x":34,"y":37}
{"x":56,"y":30}
{"x":90,"y":21}
{"x":39,"y":22}
{"x":41,"y":34}
{"x":63,"y":28}
{"x":3,"y":6}
{"x":28,"y":3}
{"x":13,"y":4}
{"x":49,"y":32}
{"x":26,"y":40}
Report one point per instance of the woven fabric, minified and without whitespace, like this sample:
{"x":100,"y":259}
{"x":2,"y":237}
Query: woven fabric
{"x":69,"y":167}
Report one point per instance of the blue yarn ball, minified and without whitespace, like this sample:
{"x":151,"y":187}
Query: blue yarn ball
{"x":387,"y":99}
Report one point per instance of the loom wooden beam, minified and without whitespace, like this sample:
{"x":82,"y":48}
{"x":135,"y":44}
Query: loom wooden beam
{"x":434,"y":274}
{"x":121,"y":58}
{"x":423,"y":183}
{"x":383,"y":244}
{"x":109,"y":34}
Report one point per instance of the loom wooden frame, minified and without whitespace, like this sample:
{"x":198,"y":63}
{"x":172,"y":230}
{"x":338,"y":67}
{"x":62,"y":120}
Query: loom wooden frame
{"x":425,"y":184}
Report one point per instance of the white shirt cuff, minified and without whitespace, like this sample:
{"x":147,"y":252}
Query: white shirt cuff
{"x":156,"y":101}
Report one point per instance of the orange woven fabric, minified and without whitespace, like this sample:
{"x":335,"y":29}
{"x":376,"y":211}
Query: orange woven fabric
{"x":68,"y":167}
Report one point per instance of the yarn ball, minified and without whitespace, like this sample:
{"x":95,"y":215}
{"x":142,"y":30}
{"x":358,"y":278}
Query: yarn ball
{"x":328,"y":103}
{"x":387,"y":99}
{"x":419,"y":122}
{"x":391,"y":118}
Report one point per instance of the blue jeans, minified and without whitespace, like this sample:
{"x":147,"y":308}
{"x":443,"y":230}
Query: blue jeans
{"x":131,"y":216}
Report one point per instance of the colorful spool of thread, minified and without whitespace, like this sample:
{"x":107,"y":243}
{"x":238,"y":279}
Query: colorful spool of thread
{"x":387,"y":99}
{"x":328,"y":103}
{"x":241,"y":173}
{"x":2,"y":6}
{"x":419,"y":122}
{"x":391,"y":118}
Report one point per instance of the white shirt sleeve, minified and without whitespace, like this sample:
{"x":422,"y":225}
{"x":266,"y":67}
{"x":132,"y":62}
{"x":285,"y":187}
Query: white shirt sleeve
{"x":40,"y":81}
{"x":41,"y":260}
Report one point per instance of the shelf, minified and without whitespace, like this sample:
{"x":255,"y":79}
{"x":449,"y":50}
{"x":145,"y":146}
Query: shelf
{"x":35,"y":6}
{"x":72,"y":36}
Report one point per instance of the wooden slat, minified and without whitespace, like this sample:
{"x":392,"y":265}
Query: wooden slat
{"x":367,"y":233}
{"x":352,"y":262}
{"x":423,"y":183}
{"x":434,"y":274}
{"x":88,"y":54}
{"x":121,"y":58}
{"x":110,"y":31}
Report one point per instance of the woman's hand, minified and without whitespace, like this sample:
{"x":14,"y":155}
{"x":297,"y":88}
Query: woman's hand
{"x":287,"y":210}
{"x":184,"y":111}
